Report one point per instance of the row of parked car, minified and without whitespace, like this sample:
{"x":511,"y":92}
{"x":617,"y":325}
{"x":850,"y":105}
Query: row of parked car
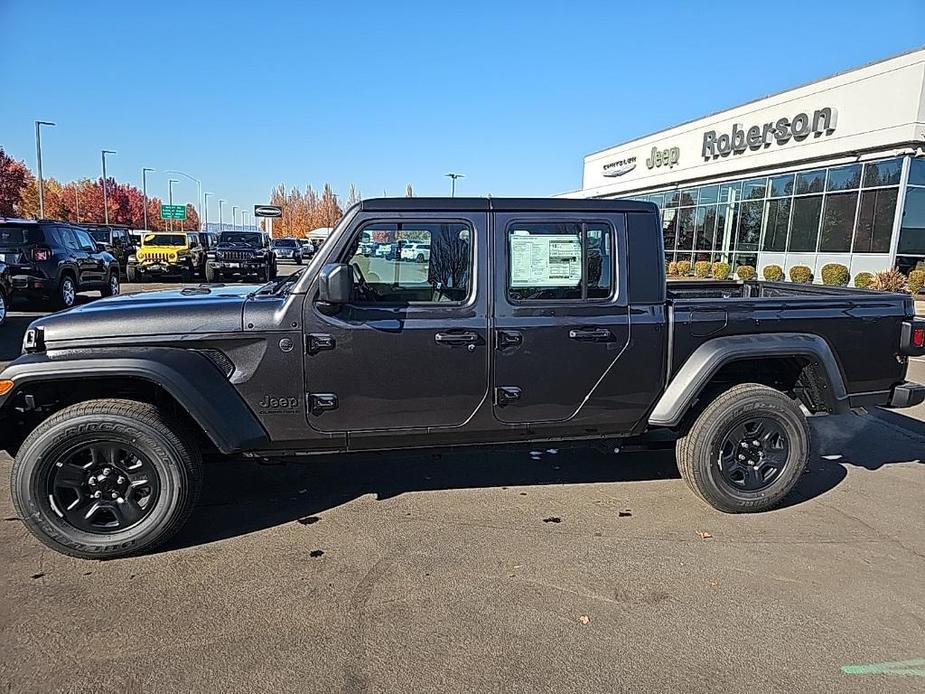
{"x":416,"y":251}
{"x":51,"y":262}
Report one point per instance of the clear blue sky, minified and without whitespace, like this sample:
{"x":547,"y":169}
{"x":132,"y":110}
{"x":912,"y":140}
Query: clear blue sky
{"x":381,"y":94}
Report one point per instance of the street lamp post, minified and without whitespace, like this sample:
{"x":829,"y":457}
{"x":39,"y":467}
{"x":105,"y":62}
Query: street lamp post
{"x":234,"y":217}
{"x":105,"y":195}
{"x":144,"y":192}
{"x":38,"y":157}
{"x":198,"y":185}
{"x":453,"y":177}
{"x":221,"y":216}
{"x":205,"y":206}
{"x":170,"y":183}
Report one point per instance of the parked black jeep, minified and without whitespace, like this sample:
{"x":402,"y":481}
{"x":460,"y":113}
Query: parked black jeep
{"x":531,"y":321}
{"x":116,"y":239}
{"x":6,"y":290}
{"x":55,"y":261}
{"x":244,"y":254}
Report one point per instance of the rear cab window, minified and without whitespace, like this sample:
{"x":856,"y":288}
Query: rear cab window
{"x":560,"y":261}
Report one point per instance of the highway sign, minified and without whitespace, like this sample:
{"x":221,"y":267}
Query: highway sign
{"x":268,"y":211}
{"x":173,"y":211}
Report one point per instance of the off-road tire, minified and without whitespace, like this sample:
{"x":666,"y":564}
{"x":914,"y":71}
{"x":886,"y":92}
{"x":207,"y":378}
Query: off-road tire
{"x":172,"y":450}
{"x":131,"y":274}
{"x":212,"y":275}
{"x":108,"y":289}
{"x":698,"y":451}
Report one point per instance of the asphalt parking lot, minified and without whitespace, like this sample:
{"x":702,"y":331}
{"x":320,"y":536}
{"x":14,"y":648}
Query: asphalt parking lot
{"x":561,"y":569}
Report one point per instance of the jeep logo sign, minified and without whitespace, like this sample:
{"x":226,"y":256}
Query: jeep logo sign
{"x":268,"y":211}
{"x":663,"y":157}
{"x":781,"y":131}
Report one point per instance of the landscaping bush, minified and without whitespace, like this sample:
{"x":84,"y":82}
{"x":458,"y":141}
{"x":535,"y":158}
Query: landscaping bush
{"x":721,"y":271}
{"x":672,"y":269}
{"x":702,"y":268}
{"x":835,"y":275}
{"x":889,"y":281}
{"x":801,"y":274}
{"x":916,"y":281}
{"x":684,"y":268}
{"x":773,"y":273}
{"x":746,"y":272}
{"x":862,"y":280}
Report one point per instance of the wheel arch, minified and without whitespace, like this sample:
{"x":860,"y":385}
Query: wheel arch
{"x":183,"y":378}
{"x":801,"y":364}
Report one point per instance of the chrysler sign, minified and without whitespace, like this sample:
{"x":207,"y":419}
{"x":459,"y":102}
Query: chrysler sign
{"x":618,"y":168}
{"x":781,"y":131}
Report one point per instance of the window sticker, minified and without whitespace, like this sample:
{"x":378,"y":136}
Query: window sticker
{"x":548,"y":260}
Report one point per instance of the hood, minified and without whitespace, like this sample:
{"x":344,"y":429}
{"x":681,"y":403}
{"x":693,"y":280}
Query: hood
{"x":168,"y":312}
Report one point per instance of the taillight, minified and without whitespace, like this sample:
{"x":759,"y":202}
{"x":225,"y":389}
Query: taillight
{"x":40,"y":255}
{"x":918,"y":337}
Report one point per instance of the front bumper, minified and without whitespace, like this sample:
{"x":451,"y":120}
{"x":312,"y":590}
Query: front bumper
{"x":907,"y":394}
{"x":244,"y":267}
{"x":160,"y":268}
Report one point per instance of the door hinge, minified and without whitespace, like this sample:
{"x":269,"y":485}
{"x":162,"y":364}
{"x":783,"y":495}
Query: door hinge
{"x":319,"y":402}
{"x":505,"y":395}
{"x":319,"y":342}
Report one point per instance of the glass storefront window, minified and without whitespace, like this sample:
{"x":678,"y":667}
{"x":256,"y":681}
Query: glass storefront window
{"x":669,"y":228}
{"x":875,"y":221}
{"x":883,"y":173}
{"x":704,"y":227}
{"x":672,"y":198}
{"x":708,"y":194}
{"x":688,"y":197}
{"x":838,"y":222}
{"x":804,"y":232}
{"x":912,"y":234}
{"x":844,"y":178}
{"x":781,"y":186}
{"x":810,"y":182}
{"x":658,"y":199}
{"x":917,"y":172}
{"x":750,"y":225}
{"x":778,"y":216}
{"x":730,"y":192}
{"x":754,"y":189}
{"x":686,"y":229}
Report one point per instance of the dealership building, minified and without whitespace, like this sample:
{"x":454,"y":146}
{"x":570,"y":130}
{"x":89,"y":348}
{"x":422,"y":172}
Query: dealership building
{"x":831,"y":171}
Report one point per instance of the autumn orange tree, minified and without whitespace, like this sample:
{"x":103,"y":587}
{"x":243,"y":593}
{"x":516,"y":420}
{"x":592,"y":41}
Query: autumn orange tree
{"x":306,"y":210}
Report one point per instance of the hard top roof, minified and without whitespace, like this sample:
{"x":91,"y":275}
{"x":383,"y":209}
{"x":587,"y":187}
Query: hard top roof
{"x":502,"y":205}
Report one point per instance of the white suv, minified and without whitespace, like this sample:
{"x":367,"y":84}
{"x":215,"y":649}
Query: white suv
{"x":418,"y":252}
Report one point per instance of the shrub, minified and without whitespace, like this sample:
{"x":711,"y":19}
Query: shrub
{"x":702,"y":268}
{"x":916,"y":281}
{"x":746,"y":272}
{"x":862,"y":280}
{"x":672,"y":269}
{"x":801,"y":274}
{"x":835,"y":275}
{"x":773,"y":273}
{"x":721,"y":271}
{"x":684,"y":268}
{"x":889,"y":281}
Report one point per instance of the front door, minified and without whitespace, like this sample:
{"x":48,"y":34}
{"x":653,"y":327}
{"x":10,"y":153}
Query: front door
{"x":411,"y":351}
{"x":562,"y":321}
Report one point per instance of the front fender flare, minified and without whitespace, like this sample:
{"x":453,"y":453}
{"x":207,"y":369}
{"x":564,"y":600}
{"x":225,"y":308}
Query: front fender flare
{"x":187,"y":376}
{"x":711,"y":356}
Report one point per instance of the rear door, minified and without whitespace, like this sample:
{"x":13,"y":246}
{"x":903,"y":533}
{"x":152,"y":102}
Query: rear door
{"x":410,"y":353}
{"x":92,"y":270}
{"x":562,"y":321}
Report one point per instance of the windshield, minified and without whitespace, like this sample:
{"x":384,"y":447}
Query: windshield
{"x":240,"y":237}
{"x":164,"y":240}
{"x":100,"y":235}
{"x":284,"y":243}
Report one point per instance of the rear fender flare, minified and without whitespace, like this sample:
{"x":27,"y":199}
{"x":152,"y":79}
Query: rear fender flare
{"x":690,"y":380}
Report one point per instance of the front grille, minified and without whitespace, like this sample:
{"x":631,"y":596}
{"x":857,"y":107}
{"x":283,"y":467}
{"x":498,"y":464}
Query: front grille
{"x":237,"y":255}
{"x":148,"y":256}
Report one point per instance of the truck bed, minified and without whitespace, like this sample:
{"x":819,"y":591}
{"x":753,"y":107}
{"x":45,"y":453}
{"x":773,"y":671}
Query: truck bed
{"x":860,"y":326}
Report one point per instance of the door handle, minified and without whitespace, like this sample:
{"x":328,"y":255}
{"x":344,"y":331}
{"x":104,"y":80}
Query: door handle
{"x":589,"y":334}
{"x":505,"y":395}
{"x":508,"y":338}
{"x":466,"y":338}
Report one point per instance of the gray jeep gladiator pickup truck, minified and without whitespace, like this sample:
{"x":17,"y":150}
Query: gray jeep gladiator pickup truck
{"x":532,"y":320}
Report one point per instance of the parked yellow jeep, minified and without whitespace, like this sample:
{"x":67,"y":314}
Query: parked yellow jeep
{"x":162,"y":254}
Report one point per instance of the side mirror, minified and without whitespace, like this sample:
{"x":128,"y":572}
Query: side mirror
{"x":101,"y":247}
{"x":335,"y":284}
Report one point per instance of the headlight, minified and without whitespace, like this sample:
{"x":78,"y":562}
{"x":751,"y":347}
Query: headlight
{"x":172,"y":256}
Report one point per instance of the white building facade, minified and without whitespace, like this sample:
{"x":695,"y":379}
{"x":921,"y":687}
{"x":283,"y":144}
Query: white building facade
{"x":832,"y":171}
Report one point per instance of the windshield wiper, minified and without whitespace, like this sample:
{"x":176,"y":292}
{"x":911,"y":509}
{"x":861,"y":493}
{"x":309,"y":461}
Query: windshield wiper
{"x":277,"y":286}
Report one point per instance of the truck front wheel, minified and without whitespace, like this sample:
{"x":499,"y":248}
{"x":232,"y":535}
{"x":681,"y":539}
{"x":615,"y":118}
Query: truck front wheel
{"x":106,"y":478}
{"x":746,"y":450}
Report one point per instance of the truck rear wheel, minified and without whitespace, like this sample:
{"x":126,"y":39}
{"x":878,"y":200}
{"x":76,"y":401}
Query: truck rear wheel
{"x":106,"y":478}
{"x":746,"y":450}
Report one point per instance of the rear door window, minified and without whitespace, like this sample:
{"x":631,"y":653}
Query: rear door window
{"x":66,"y":238}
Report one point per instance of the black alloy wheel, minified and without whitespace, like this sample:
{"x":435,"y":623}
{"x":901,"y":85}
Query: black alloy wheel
{"x":752,"y":454}
{"x":103,"y":488}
